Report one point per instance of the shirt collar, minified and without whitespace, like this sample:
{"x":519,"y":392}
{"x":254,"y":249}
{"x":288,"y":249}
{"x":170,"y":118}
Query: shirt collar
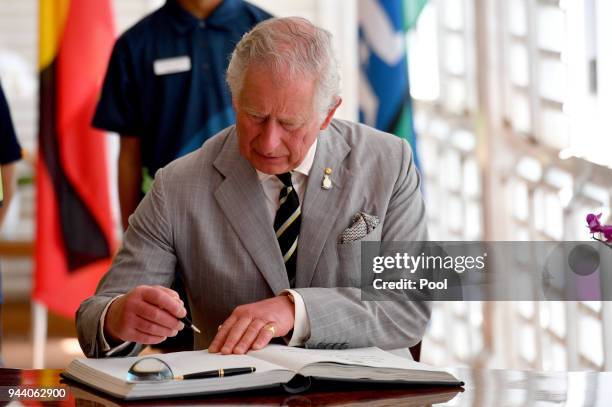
{"x":304,"y":167}
{"x":184,"y":21}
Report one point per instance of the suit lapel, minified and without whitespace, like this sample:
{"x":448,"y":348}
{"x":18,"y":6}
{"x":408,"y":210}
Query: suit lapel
{"x":242,"y":200}
{"x":321,"y":207}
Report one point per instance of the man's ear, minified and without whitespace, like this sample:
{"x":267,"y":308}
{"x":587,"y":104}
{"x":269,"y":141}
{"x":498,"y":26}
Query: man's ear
{"x":330,"y":114}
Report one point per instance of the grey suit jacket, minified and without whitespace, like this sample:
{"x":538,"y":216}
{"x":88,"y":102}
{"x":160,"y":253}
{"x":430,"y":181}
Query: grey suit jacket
{"x":205,"y":217}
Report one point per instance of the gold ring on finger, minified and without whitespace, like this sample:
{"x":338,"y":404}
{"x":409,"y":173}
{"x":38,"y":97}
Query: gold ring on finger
{"x":270,"y":328}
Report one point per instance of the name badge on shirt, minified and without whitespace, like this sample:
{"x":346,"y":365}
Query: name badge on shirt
{"x":172,"y":65}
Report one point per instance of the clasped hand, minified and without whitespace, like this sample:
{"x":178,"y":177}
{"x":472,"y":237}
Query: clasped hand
{"x":150,"y":314}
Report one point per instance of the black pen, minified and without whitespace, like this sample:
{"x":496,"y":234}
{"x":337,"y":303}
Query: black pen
{"x":217,"y":373}
{"x":190,"y":324}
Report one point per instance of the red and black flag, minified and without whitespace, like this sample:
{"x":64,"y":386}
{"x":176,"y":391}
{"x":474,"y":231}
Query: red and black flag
{"x":74,"y":233}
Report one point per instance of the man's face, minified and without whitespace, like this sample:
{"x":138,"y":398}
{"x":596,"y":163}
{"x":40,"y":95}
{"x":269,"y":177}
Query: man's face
{"x":276,"y":120}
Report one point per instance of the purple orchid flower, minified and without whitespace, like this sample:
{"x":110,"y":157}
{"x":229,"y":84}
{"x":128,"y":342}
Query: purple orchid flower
{"x":595,"y":226}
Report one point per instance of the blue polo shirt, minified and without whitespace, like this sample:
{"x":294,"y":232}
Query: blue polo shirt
{"x":165,"y":82}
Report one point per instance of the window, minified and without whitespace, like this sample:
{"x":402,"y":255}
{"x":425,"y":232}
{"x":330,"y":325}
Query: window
{"x":543,"y":169}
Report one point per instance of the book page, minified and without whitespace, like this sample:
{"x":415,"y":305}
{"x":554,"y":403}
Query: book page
{"x":199,"y":361}
{"x":297,"y":358}
{"x":181,"y":363}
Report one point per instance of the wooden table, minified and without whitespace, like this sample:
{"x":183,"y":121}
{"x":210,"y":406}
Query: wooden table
{"x":483,"y":388}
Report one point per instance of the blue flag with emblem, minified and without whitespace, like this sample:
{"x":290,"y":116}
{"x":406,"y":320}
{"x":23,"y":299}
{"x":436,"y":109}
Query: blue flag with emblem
{"x":384,"y":91}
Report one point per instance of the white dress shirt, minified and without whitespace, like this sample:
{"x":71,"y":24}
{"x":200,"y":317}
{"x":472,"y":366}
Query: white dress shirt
{"x":272,"y":187}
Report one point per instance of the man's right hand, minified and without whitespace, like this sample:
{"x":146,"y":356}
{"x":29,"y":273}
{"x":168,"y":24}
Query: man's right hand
{"x":147,"y":315}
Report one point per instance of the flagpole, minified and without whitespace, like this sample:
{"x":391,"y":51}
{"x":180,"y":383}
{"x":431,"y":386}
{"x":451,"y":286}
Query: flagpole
{"x":39,"y":332}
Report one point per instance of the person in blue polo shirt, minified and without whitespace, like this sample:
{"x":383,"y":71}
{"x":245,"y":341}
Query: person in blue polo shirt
{"x":165,"y":90}
{"x":10,"y":152}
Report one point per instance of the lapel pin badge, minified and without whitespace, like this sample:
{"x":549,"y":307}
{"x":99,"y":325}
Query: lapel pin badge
{"x":327,"y":184}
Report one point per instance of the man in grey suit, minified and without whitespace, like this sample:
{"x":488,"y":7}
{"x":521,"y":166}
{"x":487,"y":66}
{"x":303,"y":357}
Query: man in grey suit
{"x":264,"y":222}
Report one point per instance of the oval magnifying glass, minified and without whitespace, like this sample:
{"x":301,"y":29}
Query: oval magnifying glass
{"x":149,"y":369}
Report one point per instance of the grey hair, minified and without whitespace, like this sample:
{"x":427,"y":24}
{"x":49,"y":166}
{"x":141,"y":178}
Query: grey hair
{"x":293,"y":46}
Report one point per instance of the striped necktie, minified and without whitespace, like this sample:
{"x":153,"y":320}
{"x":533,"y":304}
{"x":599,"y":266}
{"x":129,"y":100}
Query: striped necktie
{"x":287,"y":225}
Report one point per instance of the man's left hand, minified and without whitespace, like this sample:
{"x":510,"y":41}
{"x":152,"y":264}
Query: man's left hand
{"x":248,"y":327}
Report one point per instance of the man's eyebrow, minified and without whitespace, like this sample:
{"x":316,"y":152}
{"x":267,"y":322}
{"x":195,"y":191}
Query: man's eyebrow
{"x":289,"y":120}
{"x":283,"y":119}
{"x":297,"y":118}
{"x":253,"y":111}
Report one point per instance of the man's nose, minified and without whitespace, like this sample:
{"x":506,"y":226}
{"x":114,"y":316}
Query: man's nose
{"x":270,"y":137}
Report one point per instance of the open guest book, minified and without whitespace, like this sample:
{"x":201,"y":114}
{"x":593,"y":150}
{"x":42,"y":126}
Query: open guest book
{"x":275,"y":365}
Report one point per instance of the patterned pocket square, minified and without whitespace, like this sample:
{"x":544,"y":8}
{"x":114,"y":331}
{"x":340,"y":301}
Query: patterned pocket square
{"x":361,"y":226}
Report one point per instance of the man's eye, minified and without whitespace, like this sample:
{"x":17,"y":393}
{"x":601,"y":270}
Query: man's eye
{"x":289,"y":126}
